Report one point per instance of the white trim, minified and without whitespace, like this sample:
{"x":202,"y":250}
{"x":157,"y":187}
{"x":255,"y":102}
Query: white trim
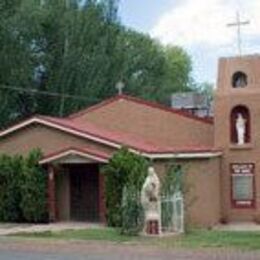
{"x":191,"y":155}
{"x":74,"y":152}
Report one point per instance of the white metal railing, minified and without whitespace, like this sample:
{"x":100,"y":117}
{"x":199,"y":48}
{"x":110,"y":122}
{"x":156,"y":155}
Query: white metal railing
{"x":172,"y":213}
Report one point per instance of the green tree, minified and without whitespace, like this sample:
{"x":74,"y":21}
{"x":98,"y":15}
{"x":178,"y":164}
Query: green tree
{"x":82,"y":49}
{"x":178,"y":67}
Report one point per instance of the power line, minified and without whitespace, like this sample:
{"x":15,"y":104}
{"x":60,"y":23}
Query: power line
{"x":46,"y":93}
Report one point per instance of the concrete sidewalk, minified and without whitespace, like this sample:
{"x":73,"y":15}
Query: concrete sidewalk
{"x":238,"y":226}
{"x":12,"y":228}
{"x":8,"y":229}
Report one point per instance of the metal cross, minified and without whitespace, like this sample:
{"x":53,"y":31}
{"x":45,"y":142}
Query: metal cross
{"x":119,"y":86}
{"x":238,"y":23}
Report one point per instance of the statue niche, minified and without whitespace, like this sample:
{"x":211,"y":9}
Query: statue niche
{"x":240,"y":125}
{"x":239,"y":80}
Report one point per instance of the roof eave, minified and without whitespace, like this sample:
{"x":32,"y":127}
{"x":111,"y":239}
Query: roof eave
{"x":183,"y":155}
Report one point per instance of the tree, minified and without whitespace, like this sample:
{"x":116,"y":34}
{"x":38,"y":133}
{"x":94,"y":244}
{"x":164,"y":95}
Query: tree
{"x":81,"y":49}
{"x":177,"y":71}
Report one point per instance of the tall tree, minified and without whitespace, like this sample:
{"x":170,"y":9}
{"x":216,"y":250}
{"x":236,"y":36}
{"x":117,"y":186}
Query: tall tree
{"x":78,"y":48}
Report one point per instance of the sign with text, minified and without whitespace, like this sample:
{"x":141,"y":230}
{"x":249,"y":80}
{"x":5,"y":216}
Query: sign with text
{"x":242,"y":184}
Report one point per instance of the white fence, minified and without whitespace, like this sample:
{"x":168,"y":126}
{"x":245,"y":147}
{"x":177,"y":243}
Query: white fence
{"x":172,"y":213}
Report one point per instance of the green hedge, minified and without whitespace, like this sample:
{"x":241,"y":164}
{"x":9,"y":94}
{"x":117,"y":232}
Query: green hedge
{"x":125,"y":170}
{"x":22,"y":189}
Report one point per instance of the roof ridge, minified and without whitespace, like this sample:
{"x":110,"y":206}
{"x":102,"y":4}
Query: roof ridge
{"x":143,"y":102}
{"x":94,"y":107}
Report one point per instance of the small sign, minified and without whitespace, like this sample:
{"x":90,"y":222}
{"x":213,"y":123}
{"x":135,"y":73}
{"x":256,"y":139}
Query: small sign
{"x":242,"y":184}
{"x":242,"y":168}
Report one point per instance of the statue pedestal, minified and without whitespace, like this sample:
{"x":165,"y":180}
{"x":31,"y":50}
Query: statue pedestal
{"x":153,"y":223}
{"x":152,"y":227}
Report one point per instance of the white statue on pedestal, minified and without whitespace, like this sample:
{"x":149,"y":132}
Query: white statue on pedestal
{"x":150,"y":198}
{"x":240,"y":129}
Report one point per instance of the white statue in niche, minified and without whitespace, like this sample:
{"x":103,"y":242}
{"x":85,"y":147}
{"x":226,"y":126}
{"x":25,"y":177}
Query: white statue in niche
{"x":240,"y":129}
{"x":150,"y":197}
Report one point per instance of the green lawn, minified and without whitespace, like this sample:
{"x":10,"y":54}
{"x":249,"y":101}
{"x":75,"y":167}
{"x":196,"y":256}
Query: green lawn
{"x":101,"y":234}
{"x":194,"y":239}
{"x":214,"y":239}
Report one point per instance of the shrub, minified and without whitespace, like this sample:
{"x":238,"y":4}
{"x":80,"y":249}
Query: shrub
{"x":10,"y":195}
{"x":33,"y":189}
{"x":22,"y":189}
{"x":173,"y":181}
{"x":125,"y":169}
{"x":132,"y":212}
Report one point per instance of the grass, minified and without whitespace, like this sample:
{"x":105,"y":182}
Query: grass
{"x":214,"y":239}
{"x":194,"y":239}
{"x":99,"y":234}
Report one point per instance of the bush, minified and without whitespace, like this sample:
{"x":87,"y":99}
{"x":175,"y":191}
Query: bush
{"x":33,"y":189}
{"x":132,"y":212}
{"x":22,"y":189}
{"x":10,"y":195}
{"x":125,"y":169}
{"x":174,"y":180}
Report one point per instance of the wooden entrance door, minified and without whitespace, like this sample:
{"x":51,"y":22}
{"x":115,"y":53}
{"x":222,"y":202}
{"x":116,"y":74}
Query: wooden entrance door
{"x":84,"y":193}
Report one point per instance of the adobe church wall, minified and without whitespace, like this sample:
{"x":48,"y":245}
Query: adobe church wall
{"x":228,"y":96}
{"x":48,"y":140}
{"x":203,"y":184}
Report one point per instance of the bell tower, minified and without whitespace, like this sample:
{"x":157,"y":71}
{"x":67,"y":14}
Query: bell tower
{"x":237,"y":134}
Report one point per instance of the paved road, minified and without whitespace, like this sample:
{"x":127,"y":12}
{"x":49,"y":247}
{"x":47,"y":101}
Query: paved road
{"x":61,"y":250}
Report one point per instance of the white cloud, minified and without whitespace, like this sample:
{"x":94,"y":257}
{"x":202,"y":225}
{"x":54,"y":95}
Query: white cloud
{"x":204,"y":22}
{"x":201,"y":26}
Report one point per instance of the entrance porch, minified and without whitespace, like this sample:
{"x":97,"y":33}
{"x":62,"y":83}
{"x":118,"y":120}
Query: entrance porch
{"x":75,"y":187}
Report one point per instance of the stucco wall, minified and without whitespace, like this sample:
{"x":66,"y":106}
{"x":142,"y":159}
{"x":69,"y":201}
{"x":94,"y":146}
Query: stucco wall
{"x":203,"y":190}
{"x":226,"y":98}
{"x":202,"y":175}
{"x":47,"y":139}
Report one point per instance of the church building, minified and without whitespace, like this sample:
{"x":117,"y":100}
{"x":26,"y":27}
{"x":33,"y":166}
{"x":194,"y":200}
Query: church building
{"x":220,"y":154}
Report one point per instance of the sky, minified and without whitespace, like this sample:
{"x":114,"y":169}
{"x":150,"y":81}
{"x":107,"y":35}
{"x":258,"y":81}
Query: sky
{"x":199,"y":26}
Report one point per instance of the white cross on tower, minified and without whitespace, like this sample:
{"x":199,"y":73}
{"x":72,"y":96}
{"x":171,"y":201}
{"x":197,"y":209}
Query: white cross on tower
{"x":119,"y":86}
{"x":239,"y":23}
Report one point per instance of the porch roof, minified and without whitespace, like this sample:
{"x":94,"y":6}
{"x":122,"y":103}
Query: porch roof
{"x":84,"y":153}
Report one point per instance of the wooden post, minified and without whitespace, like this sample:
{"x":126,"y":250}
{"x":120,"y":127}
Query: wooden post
{"x":51,"y":194}
{"x":102,"y":202}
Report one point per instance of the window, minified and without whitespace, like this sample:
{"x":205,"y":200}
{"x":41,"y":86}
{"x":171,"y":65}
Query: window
{"x":239,"y":80}
{"x":238,"y":135}
{"x":242,"y":185}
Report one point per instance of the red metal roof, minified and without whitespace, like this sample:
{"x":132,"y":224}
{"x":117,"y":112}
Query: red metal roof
{"x":143,"y":102}
{"x":115,"y":139}
{"x":129,"y":140}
